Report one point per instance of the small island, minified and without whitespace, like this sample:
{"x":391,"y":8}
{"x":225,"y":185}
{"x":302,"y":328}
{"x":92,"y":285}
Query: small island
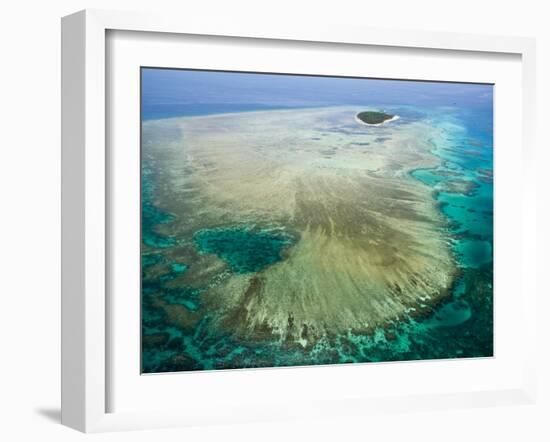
{"x":374,"y":118}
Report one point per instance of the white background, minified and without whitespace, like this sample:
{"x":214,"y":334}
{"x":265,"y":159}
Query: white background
{"x":29,"y":225}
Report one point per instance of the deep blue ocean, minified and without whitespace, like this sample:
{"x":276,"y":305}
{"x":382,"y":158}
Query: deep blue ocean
{"x":462,"y":187}
{"x":175,"y":93}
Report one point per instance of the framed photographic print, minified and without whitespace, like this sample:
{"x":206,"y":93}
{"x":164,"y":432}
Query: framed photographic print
{"x":284,"y":222}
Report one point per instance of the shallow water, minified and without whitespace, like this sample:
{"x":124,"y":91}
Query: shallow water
{"x":244,"y":249}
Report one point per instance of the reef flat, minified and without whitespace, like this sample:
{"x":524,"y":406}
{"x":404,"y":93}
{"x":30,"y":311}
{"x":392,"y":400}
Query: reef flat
{"x":292,"y":226}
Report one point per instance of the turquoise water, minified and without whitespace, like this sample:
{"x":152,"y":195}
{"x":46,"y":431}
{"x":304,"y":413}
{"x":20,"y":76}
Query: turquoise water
{"x":465,"y":152}
{"x":462,"y":185}
{"x":244,"y":249}
{"x":151,"y":216}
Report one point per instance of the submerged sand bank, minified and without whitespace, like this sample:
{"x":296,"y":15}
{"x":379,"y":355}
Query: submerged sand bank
{"x":370,"y":248}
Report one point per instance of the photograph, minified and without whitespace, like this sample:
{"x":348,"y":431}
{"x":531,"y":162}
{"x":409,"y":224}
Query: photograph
{"x":297,"y":220}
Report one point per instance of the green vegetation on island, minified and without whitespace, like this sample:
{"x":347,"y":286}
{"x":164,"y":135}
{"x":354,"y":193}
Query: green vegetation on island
{"x":374,"y":117}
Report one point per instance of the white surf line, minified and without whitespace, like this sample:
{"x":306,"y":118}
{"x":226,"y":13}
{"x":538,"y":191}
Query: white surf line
{"x":395,"y":117}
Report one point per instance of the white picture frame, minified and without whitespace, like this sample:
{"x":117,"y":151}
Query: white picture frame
{"x":86,"y":206}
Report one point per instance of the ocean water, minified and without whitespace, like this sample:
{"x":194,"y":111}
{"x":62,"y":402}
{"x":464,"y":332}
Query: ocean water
{"x":169,"y":93}
{"x":244,"y":249}
{"x":462,"y":187}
